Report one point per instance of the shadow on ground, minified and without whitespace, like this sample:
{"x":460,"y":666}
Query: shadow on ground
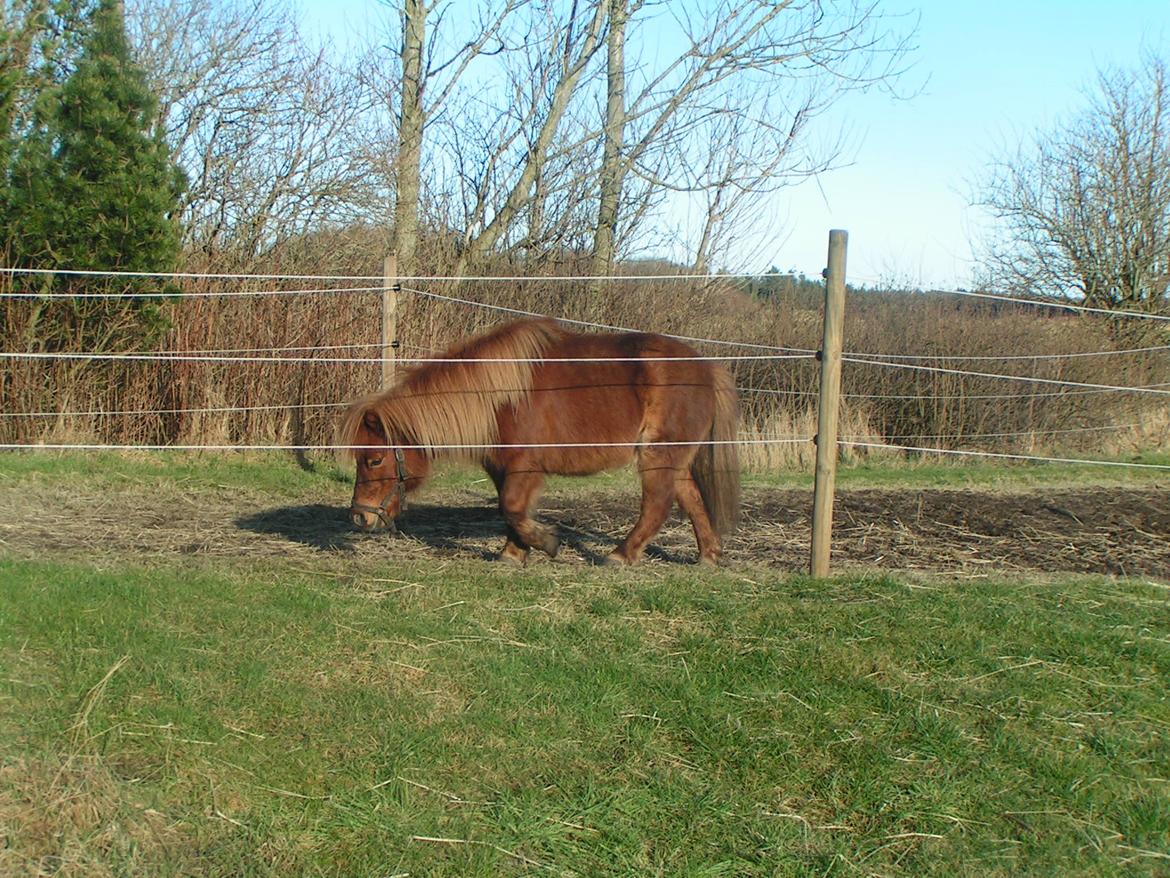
{"x":473,"y":531}
{"x":318,"y":526}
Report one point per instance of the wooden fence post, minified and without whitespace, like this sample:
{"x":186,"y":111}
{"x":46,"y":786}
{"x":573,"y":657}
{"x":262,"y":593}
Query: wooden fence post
{"x":830,"y":400}
{"x":389,"y":318}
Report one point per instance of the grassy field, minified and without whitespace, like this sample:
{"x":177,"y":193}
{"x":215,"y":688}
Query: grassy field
{"x":276,"y":473}
{"x":204,"y":716}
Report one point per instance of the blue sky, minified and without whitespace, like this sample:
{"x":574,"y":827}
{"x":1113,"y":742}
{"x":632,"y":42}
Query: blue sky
{"x":989,"y":74}
{"x":995,"y":72}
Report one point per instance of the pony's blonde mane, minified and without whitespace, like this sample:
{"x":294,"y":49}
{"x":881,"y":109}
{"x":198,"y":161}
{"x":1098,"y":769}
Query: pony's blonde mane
{"x":439,"y":404}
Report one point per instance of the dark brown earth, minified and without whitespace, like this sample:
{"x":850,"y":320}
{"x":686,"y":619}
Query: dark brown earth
{"x":1118,"y":531}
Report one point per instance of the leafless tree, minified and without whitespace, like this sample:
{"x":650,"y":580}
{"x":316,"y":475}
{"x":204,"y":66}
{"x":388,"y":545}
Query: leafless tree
{"x":501,"y":148}
{"x":736,"y":163}
{"x":429,"y":48}
{"x":568,"y":45}
{"x":612,"y":171}
{"x":774,"y":67}
{"x":1084,"y":208}
{"x":263,"y":123}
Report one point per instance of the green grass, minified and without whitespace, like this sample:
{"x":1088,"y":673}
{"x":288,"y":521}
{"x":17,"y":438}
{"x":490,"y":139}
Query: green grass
{"x":457,"y":718}
{"x":668,"y":721}
{"x":271,"y":472}
{"x":977,"y":474}
{"x":280,"y":475}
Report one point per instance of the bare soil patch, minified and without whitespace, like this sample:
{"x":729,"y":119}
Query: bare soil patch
{"x":1118,"y":531}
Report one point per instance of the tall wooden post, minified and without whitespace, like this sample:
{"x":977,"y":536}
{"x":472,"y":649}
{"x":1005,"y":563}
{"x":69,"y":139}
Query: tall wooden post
{"x":830,"y":401}
{"x":389,"y":318}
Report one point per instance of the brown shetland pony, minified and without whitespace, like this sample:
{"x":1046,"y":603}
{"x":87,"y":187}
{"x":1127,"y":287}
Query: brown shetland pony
{"x":501,"y":410}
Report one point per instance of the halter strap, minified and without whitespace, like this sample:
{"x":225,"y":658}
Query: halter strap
{"x":382,"y":510}
{"x":403,"y":475}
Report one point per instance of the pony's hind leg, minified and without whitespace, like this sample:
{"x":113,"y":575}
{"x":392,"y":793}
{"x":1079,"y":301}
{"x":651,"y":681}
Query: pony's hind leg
{"x":660,"y":474}
{"x":691,"y":501}
{"x":518,"y":494}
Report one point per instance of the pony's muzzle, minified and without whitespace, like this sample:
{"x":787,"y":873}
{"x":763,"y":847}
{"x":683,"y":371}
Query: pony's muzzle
{"x":372,"y":522}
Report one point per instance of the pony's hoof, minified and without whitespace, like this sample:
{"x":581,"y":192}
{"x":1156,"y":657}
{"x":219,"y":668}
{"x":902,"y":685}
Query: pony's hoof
{"x":514,"y":557}
{"x":613,"y":559}
{"x":551,"y":545}
{"x":708,"y":560}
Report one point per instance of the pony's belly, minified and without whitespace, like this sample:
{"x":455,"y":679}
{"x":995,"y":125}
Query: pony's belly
{"x":580,"y":419}
{"x":585,"y":461}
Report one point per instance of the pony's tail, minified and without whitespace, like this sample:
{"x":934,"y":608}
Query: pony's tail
{"x":716,"y":466}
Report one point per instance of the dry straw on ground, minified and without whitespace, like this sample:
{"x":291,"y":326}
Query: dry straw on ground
{"x":1122,"y":531}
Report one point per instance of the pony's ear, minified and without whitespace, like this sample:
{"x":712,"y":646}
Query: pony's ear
{"x":374,"y":424}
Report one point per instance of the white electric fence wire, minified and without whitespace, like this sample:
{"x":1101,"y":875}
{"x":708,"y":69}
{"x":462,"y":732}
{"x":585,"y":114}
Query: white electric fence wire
{"x":884,"y":285}
{"x":195,"y":275}
{"x":373,"y":279}
{"x":806,"y":351}
{"x":77,"y":446}
{"x":1016,"y":433}
{"x":218,"y":409}
{"x":520,"y":312}
{"x":1155,"y":389}
{"x":101,"y":413}
{"x":274,"y":349}
{"x":97,"y":413}
{"x":1037,"y":394}
{"x":376,"y":344}
{"x":359,"y":278}
{"x":213,"y":358}
{"x":1010,"y":357}
{"x":92,"y":413}
{"x":1006,"y":455}
{"x":182,"y":294}
{"x":84,"y":446}
{"x":1046,"y":303}
{"x":568,"y":320}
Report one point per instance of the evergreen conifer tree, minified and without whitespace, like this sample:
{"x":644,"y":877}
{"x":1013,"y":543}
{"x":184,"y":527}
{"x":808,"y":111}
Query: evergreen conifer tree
{"x":91,"y":186}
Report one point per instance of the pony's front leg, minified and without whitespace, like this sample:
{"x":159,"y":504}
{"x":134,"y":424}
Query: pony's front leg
{"x":518,"y":495}
{"x":515,"y":550}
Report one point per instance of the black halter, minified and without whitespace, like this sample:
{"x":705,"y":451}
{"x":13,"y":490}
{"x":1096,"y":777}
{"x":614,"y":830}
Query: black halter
{"x":382,"y":510}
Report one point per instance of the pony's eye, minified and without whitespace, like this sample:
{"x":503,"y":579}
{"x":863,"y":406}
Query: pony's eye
{"x":374,"y":461}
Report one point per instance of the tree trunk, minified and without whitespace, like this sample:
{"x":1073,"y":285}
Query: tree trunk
{"x":612,"y":169}
{"x":412,"y":118}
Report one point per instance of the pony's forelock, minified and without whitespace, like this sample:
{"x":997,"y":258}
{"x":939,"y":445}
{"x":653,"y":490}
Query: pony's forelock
{"x":349,"y":431}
